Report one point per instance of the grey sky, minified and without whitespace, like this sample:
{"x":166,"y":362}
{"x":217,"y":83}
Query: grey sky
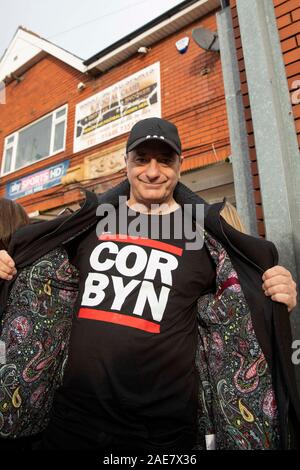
{"x":83,"y":27}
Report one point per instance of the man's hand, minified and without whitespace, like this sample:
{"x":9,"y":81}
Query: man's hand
{"x":280,"y":286}
{"x":7,"y":266}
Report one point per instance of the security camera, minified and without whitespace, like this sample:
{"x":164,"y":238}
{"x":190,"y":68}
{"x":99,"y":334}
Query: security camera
{"x":143,"y":50}
{"x":81,"y":86}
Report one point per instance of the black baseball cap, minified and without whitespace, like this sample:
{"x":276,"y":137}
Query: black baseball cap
{"x":154,"y":129}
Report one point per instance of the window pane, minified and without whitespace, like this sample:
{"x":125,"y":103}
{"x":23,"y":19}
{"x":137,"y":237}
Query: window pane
{"x":34,"y":142}
{"x":59,"y":136}
{"x":60,"y":113}
{"x":8,"y":155}
{"x":10,"y":139}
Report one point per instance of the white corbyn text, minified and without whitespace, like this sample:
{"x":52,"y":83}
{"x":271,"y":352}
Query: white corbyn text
{"x":148,"y":266}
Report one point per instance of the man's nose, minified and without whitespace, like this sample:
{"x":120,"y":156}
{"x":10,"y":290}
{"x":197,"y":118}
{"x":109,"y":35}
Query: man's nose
{"x":153,"y":169}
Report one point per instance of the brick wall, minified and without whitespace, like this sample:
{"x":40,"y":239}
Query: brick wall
{"x":288,"y":20}
{"x":192,"y":97}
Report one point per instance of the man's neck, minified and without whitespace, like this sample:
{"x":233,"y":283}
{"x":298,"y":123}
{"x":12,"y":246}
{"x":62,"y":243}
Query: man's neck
{"x":153,"y":209}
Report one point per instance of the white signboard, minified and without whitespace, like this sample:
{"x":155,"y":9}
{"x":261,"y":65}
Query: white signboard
{"x":116,"y":109}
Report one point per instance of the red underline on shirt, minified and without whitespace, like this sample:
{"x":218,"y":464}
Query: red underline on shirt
{"x":119,"y":319}
{"x":175,"y":250}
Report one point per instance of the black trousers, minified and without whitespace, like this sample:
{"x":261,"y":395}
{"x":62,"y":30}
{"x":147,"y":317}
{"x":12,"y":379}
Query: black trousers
{"x":58,"y":438}
{"x":21,"y":444}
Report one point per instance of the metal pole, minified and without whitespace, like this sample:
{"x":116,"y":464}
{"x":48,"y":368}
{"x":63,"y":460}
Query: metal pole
{"x":276,"y":143}
{"x":244,"y":193}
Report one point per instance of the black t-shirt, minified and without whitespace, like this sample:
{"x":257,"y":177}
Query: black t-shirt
{"x":131,"y":367}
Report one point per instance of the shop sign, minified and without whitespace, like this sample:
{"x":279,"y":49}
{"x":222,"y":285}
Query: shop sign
{"x":116,"y":109}
{"x":38,"y":181}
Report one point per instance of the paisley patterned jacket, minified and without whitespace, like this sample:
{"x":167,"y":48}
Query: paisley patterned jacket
{"x":247,"y":393}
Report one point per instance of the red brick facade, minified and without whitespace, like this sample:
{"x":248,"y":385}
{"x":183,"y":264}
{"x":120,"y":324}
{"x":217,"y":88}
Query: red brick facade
{"x":288,"y":20}
{"x":192,"y":96}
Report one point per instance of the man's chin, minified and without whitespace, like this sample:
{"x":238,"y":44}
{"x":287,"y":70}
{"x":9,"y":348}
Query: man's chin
{"x":153,"y":197}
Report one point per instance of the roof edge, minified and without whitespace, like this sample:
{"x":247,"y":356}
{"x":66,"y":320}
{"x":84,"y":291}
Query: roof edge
{"x":159,"y":19}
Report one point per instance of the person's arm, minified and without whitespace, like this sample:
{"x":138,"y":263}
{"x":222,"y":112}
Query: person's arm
{"x":7,"y":266}
{"x":278,"y":283}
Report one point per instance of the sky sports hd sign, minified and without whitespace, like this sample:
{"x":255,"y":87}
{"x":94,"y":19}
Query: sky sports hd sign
{"x":36,"y":182}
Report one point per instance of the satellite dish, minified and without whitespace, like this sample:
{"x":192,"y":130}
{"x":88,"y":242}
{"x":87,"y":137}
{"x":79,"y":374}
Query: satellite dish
{"x":206,"y":39}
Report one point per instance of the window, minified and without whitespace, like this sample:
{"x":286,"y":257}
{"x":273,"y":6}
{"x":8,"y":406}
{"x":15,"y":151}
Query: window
{"x":35,"y":142}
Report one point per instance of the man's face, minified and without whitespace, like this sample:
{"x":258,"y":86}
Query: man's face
{"x":153,"y":170}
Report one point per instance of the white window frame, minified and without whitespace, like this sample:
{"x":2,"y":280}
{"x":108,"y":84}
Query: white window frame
{"x":14,"y":144}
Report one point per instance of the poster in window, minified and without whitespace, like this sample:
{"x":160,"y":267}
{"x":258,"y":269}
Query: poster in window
{"x":113,"y":111}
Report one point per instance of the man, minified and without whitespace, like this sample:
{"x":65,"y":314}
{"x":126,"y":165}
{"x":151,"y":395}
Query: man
{"x":143,"y":371}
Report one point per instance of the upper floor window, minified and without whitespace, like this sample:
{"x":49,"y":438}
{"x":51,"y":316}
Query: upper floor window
{"x":43,"y":138}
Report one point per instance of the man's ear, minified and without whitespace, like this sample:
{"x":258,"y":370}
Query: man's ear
{"x":180,"y":163}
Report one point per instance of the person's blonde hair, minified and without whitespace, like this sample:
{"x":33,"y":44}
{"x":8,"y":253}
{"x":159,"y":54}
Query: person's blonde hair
{"x":230,"y":214}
